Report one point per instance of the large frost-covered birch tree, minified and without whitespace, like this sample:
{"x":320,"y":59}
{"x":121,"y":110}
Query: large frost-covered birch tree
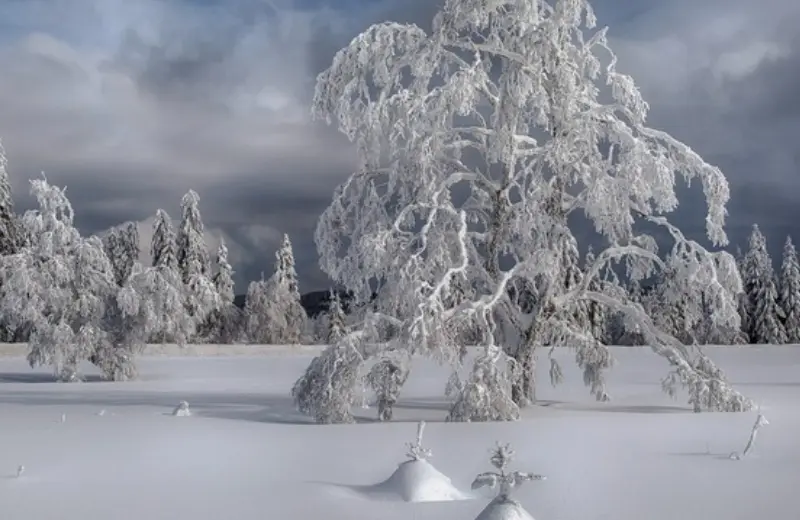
{"x":476,"y":143}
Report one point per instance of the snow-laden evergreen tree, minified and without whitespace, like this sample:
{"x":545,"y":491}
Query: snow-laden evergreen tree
{"x":192,"y":255}
{"x":192,"y":252}
{"x":63,"y":287}
{"x":121,"y":244}
{"x":10,"y":232}
{"x":284,"y":266}
{"x":288,"y":317}
{"x":256,"y":313}
{"x":223,"y":323}
{"x":465,"y":138}
{"x":790,"y":292}
{"x":336,"y":321}
{"x":163,"y":244}
{"x":743,"y":301}
{"x":759,"y":283}
{"x":9,"y":227}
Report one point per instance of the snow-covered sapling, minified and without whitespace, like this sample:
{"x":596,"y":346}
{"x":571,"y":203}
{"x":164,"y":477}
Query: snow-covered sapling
{"x":501,"y":479}
{"x":415,"y":450}
{"x":20,"y":470}
{"x":760,"y":421}
{"x":182,"y":410}
{"x":386,"y":378}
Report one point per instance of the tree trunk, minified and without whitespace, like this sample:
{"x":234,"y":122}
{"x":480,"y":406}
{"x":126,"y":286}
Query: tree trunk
{"x":523,"y":387}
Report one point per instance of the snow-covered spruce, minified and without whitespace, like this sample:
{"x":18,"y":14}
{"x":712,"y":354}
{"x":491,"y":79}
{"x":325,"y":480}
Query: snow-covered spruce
{"x":476,"y":143}
{"x":121,"y":244}
{"x":336,"y":321}
{"x":503,"y":506}
{"x":762,"y":293}
{"x":163,"y":243}
{"x":10,"y":233}
{"x":223,"y":324}
{"x":273,"y":313}
{"x":192,"y":258}
{"x":62,"y":287}
{"x":790,"y":292}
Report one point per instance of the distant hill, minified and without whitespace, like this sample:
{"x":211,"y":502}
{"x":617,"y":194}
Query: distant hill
{"x":314,"y":302}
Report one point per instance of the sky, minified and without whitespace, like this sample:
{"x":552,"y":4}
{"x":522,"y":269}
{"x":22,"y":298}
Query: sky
{"x":132,"y":103}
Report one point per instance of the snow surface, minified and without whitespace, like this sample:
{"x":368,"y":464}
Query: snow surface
{"x":245,"y":453}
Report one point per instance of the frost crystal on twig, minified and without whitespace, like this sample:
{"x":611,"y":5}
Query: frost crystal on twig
{"x":760,"y":421}
{"x":415,"y":450}
{"x":505,"y":482}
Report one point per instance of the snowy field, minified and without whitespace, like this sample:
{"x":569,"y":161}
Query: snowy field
{"x":245,"y":454}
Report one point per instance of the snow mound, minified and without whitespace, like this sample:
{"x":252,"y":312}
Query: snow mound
{"x":417,"y":481}
{"x":182,"y":410}
{"x":504,"y":509}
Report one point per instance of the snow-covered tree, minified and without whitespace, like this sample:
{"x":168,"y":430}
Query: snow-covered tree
{"x":790,"y":292}
{"x":386,"y":378}
{"x":503,"y":506}
{"x":336,"y":322}
{"x":121,"y":244}
{"x":256,"y":313}
{"x":163,"y":243}
{"x":289,"y":318}
{"x":475,"y":144}
{"x":762,"y":294}
{"x":192,"y":253}
{"x":223,"y":323}
{"x":63,"y":287}
{"x":9,"y":229}
{"x":284,"y":266}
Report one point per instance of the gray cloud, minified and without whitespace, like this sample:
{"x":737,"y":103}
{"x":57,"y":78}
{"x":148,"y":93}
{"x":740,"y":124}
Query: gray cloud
{"x":130,"y":104}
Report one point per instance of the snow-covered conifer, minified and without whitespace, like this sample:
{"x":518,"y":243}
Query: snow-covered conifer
{"x":192,"y":253}
{"x":336,"y":323}
{"x":256,"y":311}
{"x":284,"y":266}
{"x":223,"y":323}
{"x":163,"y":244}
{"x":9,"y":227}
{"x":475,"y":144}
{"x":790,"y":292}
{"x":759,"y":281}
{"x":192,"y":256}
{"x":287,"y":317}
{"x":121,"y":244}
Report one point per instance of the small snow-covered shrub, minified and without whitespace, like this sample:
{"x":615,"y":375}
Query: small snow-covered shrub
{"x":386,"y":378}
{"x":503,"y":506}
{"x":182,"y":410}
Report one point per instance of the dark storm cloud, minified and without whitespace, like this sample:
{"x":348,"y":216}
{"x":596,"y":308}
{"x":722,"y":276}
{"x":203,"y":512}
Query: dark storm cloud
{"x":130,"y":104}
